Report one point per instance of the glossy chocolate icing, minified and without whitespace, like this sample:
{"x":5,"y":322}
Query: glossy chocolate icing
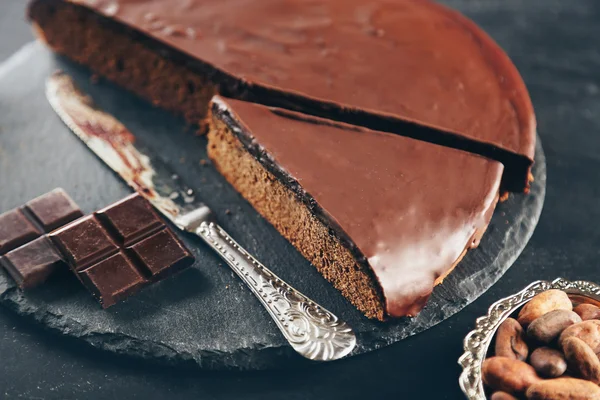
{"x":401,"y":59}
{"x":409,"y":209}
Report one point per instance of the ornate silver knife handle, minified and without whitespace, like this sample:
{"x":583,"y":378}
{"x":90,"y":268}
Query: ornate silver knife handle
{"x":311,"y":330}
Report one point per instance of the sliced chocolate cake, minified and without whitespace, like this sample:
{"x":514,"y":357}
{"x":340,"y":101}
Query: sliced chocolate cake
{"x":410,"y":67}
{"x":382,"y":217}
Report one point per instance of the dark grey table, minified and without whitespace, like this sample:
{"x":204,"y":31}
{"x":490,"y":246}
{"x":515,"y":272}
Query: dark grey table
{"x":554,"y":44}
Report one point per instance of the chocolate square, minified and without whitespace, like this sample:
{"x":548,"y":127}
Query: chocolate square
{"x":162,"y":254}
{"x":112,"y":279}
{"x":15,"y":230}
{"x":32,"y":263}
{"x":53,"y":209}
{"x":84,"y":242}
{"x":130,"y":219}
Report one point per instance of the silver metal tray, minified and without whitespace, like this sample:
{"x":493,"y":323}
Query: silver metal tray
{"x":477,"y":341}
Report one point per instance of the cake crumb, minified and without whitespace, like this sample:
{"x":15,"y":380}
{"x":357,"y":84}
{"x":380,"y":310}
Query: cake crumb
{"x":227,"y":287}
{"x":503,"y":197}
{"x":203,"y":162}
{"x":228,"y":212}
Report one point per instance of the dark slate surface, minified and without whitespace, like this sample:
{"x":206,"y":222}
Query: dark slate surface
{"x":553,"y":44}
{"x":204,"y":314}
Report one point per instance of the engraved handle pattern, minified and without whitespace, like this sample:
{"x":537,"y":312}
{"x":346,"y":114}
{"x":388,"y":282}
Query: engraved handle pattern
{"x":311,"y":330}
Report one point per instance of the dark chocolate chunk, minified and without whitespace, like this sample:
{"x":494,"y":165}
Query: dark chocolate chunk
{"x":162,"y":254}
{"x":84,"y":242}
{"x":15,"y":230}
{"x":32,"y":263}
{"x":120,"y":249}
{"x":27,"y":260}
{"x":113,"y":279}
{"x":41,"y":215}
{"x":131,"y":219}
{"x":53,"y":209}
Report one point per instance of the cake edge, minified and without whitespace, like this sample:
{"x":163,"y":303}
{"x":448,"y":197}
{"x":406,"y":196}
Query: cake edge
{"x":291,"y":217}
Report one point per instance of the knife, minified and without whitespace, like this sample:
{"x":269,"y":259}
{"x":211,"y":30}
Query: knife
{"x":311,"y":330}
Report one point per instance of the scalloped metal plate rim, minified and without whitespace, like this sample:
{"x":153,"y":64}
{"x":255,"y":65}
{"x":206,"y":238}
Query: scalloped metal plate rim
{"x":477,"y":342}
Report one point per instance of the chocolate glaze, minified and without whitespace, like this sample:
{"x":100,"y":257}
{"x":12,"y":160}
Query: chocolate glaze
{"x":378,"y":63}
{"x":409,"y":209}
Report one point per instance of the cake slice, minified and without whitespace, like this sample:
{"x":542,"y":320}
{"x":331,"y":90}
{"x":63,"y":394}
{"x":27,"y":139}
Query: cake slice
{"x":410,"y":67}
{"x":382,"y":217}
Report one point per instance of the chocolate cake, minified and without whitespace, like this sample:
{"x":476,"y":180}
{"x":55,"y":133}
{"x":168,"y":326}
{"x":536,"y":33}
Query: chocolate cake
{"x":409,"y":67}
{"x":370,"y":210}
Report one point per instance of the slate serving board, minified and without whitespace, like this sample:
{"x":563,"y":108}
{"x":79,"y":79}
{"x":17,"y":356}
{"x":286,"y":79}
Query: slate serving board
{"x":205,"y":314}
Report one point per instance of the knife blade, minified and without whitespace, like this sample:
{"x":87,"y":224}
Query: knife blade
{"x":311,"y":330}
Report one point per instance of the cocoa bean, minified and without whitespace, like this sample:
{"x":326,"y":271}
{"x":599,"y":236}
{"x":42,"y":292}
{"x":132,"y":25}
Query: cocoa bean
{"x":502,"y":396}
{"x":581,"y":359}
{"x":563,"y":389}
{"x":587,"y":311}
{"x":550,"y":325}
{"x":543,"y":303}
{"x":548,"y":362}
{"x":510,"y":341}
{"x":508,"y":374}
{"x":588,"y":331}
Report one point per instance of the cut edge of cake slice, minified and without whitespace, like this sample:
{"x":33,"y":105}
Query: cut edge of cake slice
{"x":363,"y":270}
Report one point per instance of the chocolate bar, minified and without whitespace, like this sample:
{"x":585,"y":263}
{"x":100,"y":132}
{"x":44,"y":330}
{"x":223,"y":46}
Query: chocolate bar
{"x":120,"y":249}
{"x":28,"y":255}
{"x":32,"y":263}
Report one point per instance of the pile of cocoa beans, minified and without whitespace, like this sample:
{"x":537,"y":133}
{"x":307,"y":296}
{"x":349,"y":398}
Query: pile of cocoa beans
{"x":549,"y":352}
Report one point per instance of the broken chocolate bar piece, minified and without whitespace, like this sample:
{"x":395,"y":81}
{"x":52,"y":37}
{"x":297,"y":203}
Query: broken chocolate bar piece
{"x":120,"y":249}
{"x":32,"y":263}
{"x":53,"y":210}
{"x":27,"y":257}
{"x":40,"y":215}
{"x":15,"y":230}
